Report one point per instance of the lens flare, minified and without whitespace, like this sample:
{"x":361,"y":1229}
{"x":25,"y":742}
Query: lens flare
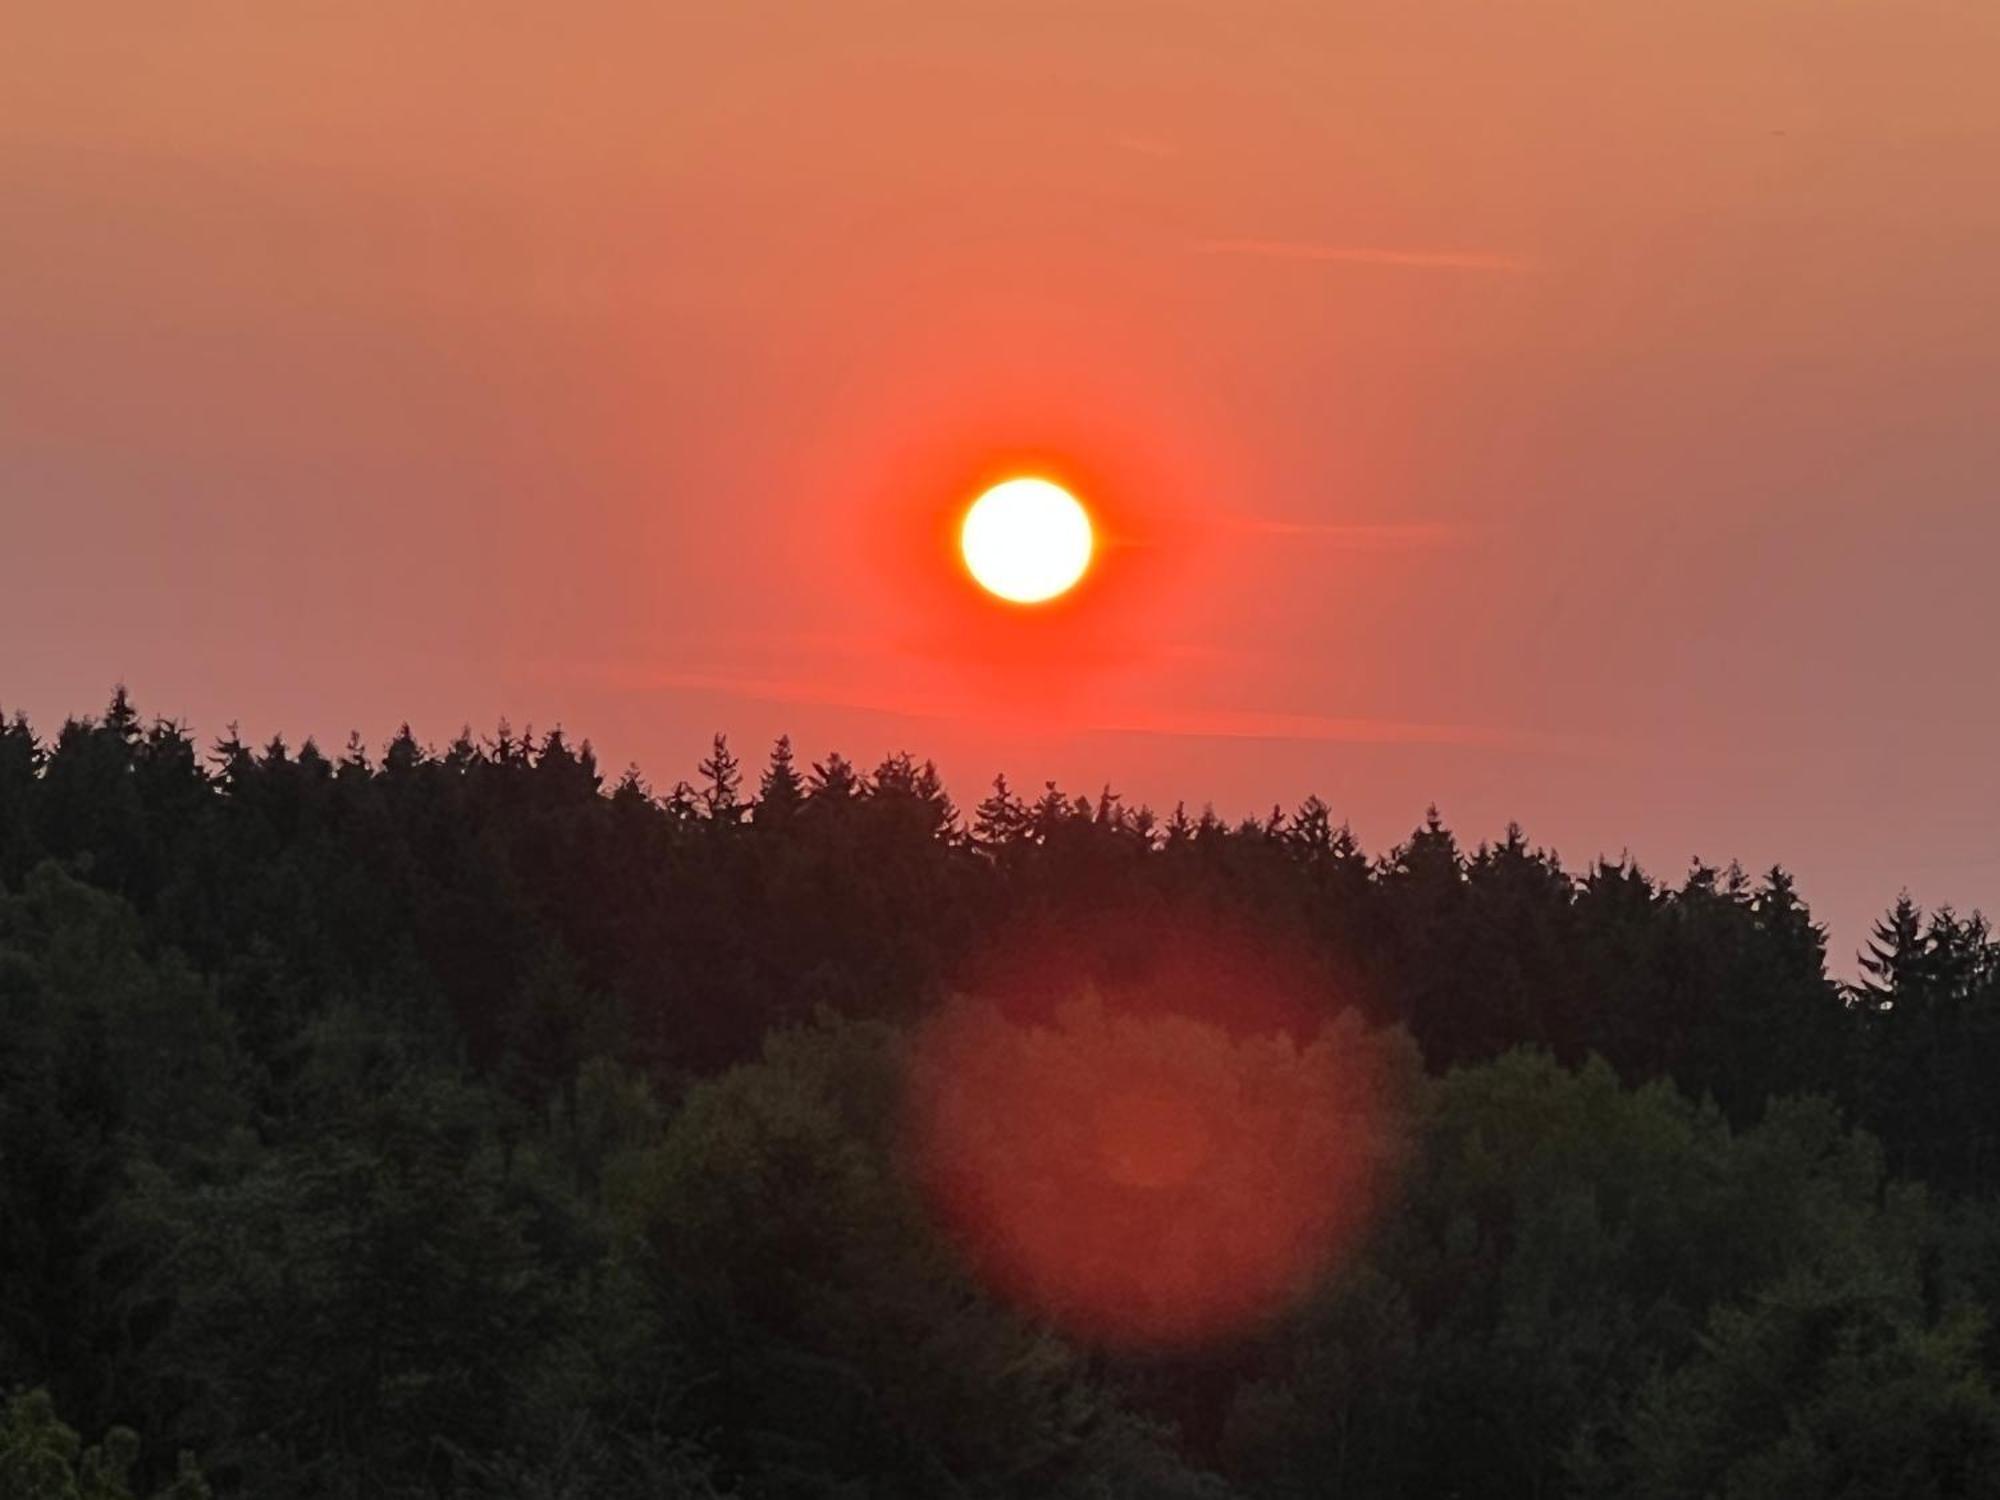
{"x":1137,"y":1171}
{"x":1026,"y":540}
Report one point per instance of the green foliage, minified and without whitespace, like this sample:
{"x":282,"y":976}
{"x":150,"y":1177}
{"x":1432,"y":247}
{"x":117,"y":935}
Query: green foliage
{"x":1577,"y":1269}
{"x":107,"y":1059}
{"x":1819,"y":1386}
{"x":349,"y":1304}
{"x":43,"y":1459}
{"x":448,"y":1124}
{"x":774,"y":1224}
{"x":37,"y":1452}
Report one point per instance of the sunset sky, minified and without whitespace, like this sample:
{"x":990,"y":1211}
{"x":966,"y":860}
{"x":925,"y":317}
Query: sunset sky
{"x":1580,"y":413}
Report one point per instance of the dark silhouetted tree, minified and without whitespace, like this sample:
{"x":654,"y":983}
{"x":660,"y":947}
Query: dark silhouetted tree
{"x":781,"y":791}
{"x":722,"y":785}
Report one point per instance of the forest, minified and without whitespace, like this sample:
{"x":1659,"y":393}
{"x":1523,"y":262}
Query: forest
{"x":461,"y":1121}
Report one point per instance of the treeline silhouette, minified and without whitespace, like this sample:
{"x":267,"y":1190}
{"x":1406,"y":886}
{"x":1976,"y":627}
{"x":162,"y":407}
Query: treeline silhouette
{"x":450,"y":1122}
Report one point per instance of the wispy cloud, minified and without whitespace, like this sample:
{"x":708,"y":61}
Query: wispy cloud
{"x":1367,"y":255}
{"x":762,"y":689}
{"x":1144,"y":145}
{"x":1252,"y":724}
{"x":1222,"y":724}
{"x":1366,"y":536}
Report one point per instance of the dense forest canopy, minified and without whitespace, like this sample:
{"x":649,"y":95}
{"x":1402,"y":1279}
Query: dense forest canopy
{"x":448,"y":1122}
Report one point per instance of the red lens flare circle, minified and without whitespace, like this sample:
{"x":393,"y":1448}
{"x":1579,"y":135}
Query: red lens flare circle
{"x":1138,"y":1172}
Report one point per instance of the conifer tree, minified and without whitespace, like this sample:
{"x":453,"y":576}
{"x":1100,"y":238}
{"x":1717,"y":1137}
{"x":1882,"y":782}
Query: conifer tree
{"x":722,"y":791}
{"x":631,"y":791}
{"x":781,"y":790}
{"x":1052,"y":809}
{"x":1895,"y":957}
{"x":833,"y":780}
{"x":20,"y":773}
{"x":1000,"y":819}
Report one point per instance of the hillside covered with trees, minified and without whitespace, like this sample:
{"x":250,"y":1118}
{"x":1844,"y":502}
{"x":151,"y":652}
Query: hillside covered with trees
{"x":456,"y":1122}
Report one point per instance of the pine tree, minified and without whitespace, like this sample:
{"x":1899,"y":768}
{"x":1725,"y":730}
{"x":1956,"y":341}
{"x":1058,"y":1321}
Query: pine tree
{"x":916,"y":792}
{"x":402,"y":756}
{"x":631,"y":791}
{"x":89,"y":800}
{"x":505,"y":750}
{"x":722,"y":792}
{"x":781,"y":790}
{"x":1110,"y":810}
{"x":354,"y":759}
{"x":463,"y":754}
{"x":683,"y":804}
{"x":833,"y":780}
{"x":121,"y":720}
{"x":20,"y":778}
{"x":568,"y":777}
{"x":1000,"y":819}
{"x":1311,"y":830}
{"x":1052,"y":809}
{"x":1894,"y":958}
{"x":928,"y":788}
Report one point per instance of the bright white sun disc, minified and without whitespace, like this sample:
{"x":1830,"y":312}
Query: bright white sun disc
{"x":1026,"y":540}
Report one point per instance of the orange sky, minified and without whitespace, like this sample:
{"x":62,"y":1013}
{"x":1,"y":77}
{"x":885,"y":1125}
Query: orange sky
{"x":1586,"y":413}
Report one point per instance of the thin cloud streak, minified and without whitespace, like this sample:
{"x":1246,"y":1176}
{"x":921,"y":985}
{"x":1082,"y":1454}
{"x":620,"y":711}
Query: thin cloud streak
{"x":1367,"y":255}
{"x":1145,"y":145}
{"x":770,"y":690}
{"x":1367,"y":536}
{"x":1254,"y":725}
{"x":1220,"y":724}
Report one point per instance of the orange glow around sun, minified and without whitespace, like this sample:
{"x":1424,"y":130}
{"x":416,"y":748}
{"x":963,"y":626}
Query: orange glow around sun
{"x":1026,"y":540}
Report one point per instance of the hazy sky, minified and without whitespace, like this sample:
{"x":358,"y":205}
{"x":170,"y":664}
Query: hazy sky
{"x":1584,"y":413}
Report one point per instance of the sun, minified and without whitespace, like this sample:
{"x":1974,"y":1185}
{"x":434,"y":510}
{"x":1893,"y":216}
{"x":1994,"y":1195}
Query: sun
{"x":1026,"y":540}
